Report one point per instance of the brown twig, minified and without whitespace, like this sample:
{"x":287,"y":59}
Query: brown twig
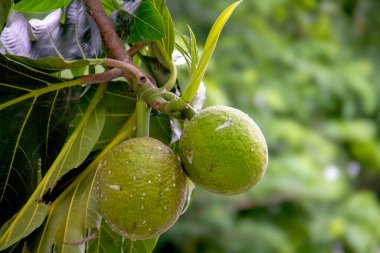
{"x":114,"y":44}
{"x":111,"y":40}
{"x":102,"y":77}
{"x":141,"y":77}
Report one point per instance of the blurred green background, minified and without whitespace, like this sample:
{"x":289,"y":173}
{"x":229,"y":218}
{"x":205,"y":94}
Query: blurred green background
{"x":307,"y":72}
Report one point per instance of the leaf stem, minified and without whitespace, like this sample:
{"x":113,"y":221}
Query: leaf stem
{"x":101,"y":77}
{"x":141,"y":77}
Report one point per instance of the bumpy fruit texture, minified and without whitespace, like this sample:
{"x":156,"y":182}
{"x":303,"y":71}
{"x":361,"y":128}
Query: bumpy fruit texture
{"x":223,"y":150}
{"x":141,"y":188}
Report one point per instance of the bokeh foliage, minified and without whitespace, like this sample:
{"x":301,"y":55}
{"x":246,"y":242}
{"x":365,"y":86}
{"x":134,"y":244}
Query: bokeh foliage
{"x":308,"y":73}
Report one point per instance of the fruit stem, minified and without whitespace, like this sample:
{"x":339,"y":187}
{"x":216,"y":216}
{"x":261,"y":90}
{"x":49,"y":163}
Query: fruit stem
{"x":143,"y":118}
{"x":189,"y":112}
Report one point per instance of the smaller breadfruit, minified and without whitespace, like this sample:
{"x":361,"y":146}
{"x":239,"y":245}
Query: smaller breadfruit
{"x":141,"y":188}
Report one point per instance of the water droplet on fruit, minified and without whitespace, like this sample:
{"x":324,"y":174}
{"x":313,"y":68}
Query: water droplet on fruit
{"x":190,"y":157}
{"x":226,"y":124}
{"x":115,"y":187}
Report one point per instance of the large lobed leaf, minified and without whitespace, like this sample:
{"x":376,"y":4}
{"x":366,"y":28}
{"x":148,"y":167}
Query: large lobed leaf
{"x":39,"y":104}
{"x":35,"y":128}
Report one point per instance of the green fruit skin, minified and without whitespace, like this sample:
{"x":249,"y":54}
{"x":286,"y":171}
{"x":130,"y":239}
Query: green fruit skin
{"x":223,"y":150}
{"x":141,"y":188}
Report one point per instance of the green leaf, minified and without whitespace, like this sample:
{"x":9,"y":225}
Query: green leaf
{"x":210,"y":45}
{"x":160,"y":128}
{"x":30,"y":6}
{"x":119,"y":103}
{"x":5,"y":6}
{"x":145,"y":246}
{"x":106,"y":241}
{"x":73,"y":153}
{"x":146,"y":23}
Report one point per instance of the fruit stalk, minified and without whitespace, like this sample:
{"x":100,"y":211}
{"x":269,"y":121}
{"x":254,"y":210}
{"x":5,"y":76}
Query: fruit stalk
{"x":143,"y":118}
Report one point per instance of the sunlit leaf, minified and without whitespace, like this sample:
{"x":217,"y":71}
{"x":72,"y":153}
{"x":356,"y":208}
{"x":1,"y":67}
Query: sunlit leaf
{"x":39,"y":5}
{"x":210,"y":45}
